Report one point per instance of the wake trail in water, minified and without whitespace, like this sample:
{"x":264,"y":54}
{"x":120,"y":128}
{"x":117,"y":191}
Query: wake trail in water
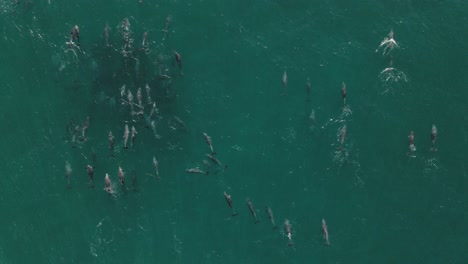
{"x":102,"y":239}
{"x":391,"y":81}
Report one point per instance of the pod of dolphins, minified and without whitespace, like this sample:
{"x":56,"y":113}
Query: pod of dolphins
{"x":151,"y":119}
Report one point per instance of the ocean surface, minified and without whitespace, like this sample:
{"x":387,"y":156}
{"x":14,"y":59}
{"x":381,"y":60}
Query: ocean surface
{"x":280,"y":145}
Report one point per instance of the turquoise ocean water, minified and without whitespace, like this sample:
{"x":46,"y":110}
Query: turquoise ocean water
{"x":381,"y":203}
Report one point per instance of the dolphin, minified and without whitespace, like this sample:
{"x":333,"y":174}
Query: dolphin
{"x":229,"y":202}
